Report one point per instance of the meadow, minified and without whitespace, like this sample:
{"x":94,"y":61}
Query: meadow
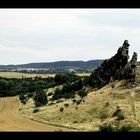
{"x":27,"y":75}
{"x":20,"y":75}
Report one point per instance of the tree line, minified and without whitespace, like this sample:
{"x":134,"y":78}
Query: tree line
{"x":27,"y":87}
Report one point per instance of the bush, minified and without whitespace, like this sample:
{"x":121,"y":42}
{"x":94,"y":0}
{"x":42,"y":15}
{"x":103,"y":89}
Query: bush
{"x":65,"y":78}
{"x":77,"y":85}
{"x":36,"y":110}
{"x":110,"y":128}
{"x":75,"y":121}
{"x":64,"y":93}
{"x":59,"y":101}
{"x":92,"y":81}
{"x":119,"y":114}
{"x":30,"y":95}
{"x":40,"y":98}
{"x":76,"y":107}
{"x":23,"y":102}
{"x":82,"y":93}
{"x":22,"y":97}
{"x":107,"y":128}
{"x":66,"y":104}
{"x":126,"y":128}
{"x":61,"y":109}
{"x":118,"y":110}
{"x":74,"y":100}
{"x":107,"y":104}
{"x":50,"y":93}
{"x":78,"y":102}
{"x":57,"y":94}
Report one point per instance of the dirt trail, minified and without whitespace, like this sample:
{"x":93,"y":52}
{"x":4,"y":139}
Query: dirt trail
{"x":10,"y":120}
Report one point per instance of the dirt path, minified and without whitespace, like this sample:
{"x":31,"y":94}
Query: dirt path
{"x":10,"y":120}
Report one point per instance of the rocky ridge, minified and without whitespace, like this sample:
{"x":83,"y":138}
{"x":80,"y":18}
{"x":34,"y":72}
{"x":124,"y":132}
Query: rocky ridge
{"x":117,"y":67}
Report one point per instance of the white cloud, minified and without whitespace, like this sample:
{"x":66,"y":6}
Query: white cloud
{"x":41,"y":35}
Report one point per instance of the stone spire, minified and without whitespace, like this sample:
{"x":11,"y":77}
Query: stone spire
{"x":117,"y":67}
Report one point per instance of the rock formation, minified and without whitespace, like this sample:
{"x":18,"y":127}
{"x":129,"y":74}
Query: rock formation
{"x":129,"y":71}
{"x":117,"y":67}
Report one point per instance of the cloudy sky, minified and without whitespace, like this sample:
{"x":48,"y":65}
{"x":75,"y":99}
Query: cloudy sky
{"x":47,"y":35}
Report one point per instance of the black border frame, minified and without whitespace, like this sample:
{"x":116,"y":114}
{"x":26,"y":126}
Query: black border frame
{"x":68,"y":135}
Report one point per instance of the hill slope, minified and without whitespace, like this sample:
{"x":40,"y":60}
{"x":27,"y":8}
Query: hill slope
{"x":10,"y":120}
{"x":97,"y":108}
{"x":113,"y":98}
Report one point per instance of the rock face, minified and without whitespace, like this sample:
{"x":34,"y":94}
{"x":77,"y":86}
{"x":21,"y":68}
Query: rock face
{"x":129,"y":71}
{"x":117,"y":67}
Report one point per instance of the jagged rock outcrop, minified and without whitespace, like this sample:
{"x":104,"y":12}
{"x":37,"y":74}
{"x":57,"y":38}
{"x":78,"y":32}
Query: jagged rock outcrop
{"x":117,"y":67}
{"x":129,"y":71}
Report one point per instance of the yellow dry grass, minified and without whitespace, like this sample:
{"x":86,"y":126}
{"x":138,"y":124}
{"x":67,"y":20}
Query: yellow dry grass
{"x":20,"y":75}
{"x":11,"y":120}
{"x":98,"y":108}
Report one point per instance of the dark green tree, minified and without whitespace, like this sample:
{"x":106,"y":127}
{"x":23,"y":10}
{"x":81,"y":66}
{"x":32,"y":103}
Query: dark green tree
{"x":40,"y":98}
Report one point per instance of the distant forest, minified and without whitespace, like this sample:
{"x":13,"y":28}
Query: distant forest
{"x":58,"y":66}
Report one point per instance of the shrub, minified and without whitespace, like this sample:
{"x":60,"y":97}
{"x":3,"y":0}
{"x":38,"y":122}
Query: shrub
{"x":66,"y":104}
{"x":36,"y":110}
{"x":118,"y":110}
{"x":107,"y":128}
{"x":30,"y":95}
{"x":125,"y":128}
{"x":119,"y":114}
{"x":50,"y":93}
{"x":23,"y":102}
{"x":75,"y":121}
{"x":68,"y":77}
{"x":57,"y":94}
{"x":78,"y":101}
{"x":107,"y":104}
{"x":61,"y":109}
{"x":74,"y":100}
{"x":40,"y":98}
{"x":76,"y":107}
{"x":82,"y":93}
{"x":59,"y":101}
{"x":112,"y":85}
{"x":23,"y":98}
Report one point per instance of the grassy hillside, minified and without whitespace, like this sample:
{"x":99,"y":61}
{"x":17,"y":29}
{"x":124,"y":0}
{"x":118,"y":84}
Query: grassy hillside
{"x":116,"y":103}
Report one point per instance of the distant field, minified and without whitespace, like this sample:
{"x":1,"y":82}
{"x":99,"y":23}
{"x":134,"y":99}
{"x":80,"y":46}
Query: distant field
{"x":19,"y":75}
{"x":83,"y":74}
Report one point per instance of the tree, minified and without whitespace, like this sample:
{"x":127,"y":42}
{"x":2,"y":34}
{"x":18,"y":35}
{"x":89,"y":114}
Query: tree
{"x":82,"y":93}
{"x":40,"y":98}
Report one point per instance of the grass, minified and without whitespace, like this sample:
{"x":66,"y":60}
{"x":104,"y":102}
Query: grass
{"x":97,"y":109}
{"x":83,"y":74}
{"x":20,"y":75}
{"x":92,"y":113}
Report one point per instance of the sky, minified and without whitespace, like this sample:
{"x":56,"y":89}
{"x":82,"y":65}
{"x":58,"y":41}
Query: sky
{"x":48,"y":35}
